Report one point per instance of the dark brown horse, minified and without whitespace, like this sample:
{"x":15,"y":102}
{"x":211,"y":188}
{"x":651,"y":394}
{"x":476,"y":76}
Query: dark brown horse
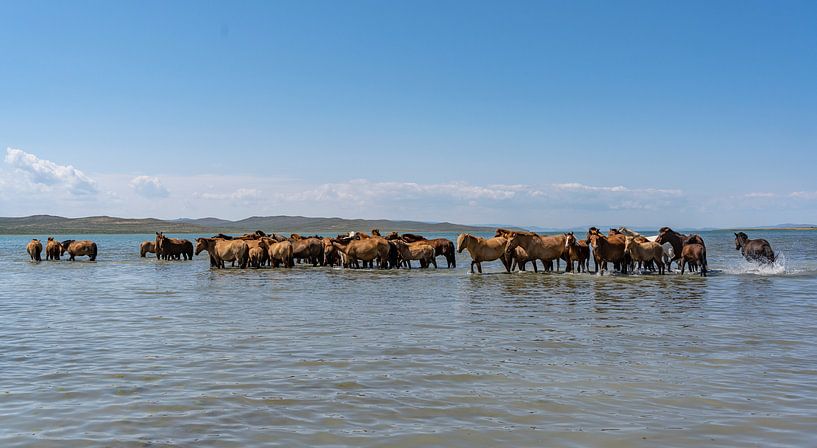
{"x":754,"y":250}
{"x":677,"y":241}
{"x":173,"y":248}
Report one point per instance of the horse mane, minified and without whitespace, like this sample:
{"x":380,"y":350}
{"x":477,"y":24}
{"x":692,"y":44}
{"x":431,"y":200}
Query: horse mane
{"x":66,"y":243}
{"x":742,"y":235}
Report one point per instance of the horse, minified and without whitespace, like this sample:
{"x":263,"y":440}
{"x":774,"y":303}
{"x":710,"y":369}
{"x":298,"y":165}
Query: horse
{"x":224,"y":250}
{"x":309,"y":248}
{"x":280,"y":252}
{"x":608,"y":248}
{"x":646,"y":251}
{"x":576,"y":250}
{"x":754,"y":250}
{"x":35,"y":250}
{"x":145,"y":247}
{"x":173,"y":248}
{"x":544,"y":248}
{"x":53,"y":248}
{"x":482,"y":249}
{"x":256,"y":256}
{"x":419,"y":250}
{"x":520,"y":258}
{"x":669,"y":252}
{"x":367,"y":250}
{"x":79,"y":248}
{"x":677,"y":241}
{"x":694,"y":253}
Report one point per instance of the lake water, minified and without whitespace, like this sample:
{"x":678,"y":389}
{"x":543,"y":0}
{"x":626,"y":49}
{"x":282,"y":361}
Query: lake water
{"x":138,"y":352}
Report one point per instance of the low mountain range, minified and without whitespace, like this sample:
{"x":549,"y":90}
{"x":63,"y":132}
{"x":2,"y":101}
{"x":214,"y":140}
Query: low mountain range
{"x":47,"y":224}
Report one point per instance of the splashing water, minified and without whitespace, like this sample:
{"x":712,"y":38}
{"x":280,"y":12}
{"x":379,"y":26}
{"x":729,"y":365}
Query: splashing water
{"x":779,"y":267}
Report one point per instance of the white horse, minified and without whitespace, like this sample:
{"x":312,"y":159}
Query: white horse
{"x":669,"y":254}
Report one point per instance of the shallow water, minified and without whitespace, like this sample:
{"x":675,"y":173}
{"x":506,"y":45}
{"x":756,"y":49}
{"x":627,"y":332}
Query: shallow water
{"x":138,"y":352}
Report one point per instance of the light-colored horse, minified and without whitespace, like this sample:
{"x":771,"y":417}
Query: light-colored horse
{"x":544,"y":248}
{"x":482,"y":249}
{"x":669,"y":253}
{"x":645,"y":251}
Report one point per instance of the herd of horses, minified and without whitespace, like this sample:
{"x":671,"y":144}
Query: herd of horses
{"x":624,"y":249}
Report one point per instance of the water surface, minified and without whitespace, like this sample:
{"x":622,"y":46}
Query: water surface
{"x":138,"y":352}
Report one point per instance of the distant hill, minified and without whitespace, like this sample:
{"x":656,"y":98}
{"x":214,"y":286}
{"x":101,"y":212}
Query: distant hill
{"x":54,"y":225}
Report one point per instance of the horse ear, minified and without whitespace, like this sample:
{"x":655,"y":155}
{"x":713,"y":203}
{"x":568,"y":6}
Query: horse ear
{"x":736,"y":234}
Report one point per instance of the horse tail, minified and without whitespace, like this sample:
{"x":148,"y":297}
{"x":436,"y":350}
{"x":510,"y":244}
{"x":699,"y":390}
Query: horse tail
{"x":93,"y":254}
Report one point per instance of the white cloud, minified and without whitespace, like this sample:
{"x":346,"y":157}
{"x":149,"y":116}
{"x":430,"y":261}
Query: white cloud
{"x":44,"y":175}
{"x":241,"y":194}
{"x":149,"y":187}
{"x":759,"y":195}
{"x":808,"y":195}
{"x":573,"y":186}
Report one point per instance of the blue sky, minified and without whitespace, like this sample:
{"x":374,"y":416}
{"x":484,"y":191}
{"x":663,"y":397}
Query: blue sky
{"x":531,"y":113}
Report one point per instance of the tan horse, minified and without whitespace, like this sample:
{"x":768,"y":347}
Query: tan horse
{"x":331,"y":256}
{"x":520,"y":258}
{"x":262,"y":245}
{"x":256,"y":255}
{"x":645,"y":251}
{"x":280,"y":252}
{"x":53,"y":249}
{"x":366,"y":250}
{"x":79,"y":248}
{"x":419,"y":250}
{"x":147,"y":247}
{"x":482,"y":249}
{"x":309,"y":249}
{"x":35,"y":250}
{"x":224,"y":250}
{"x":544,"y":248}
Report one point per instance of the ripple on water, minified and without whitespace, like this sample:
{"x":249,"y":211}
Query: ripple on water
{"x":134,"y":352}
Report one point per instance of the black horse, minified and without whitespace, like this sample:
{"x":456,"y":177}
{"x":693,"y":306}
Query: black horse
{"x":754,"y":250}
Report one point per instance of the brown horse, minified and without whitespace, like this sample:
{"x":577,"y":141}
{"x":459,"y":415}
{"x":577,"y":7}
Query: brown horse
{"x":224,"y":250}
{"x":79,"y":248}
{"x":310,"y":249}
{"x":754,"y":250}
{"x":694,"y":253}
{"x":146,"y":247}
{"x":173,"y":248}
{"x":519,"y":258}
{"x":35,"y":250}
{"x":677,"y":241}
{"x":482,"y":249}
{"x":53,"y":248}
{"x":367,"y":250}
{"x":419,"y":250}
{"x":608,"y":249}
{"x":578,"y":251}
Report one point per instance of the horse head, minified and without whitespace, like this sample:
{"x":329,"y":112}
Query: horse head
{"x":461,"y":241}
{"x":570,"y":240}
{"x":740,"y":240}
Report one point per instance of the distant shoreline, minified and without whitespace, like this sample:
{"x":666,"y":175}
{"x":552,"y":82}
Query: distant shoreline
{"x":57,"y":225}
{"x":768,"y":229}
